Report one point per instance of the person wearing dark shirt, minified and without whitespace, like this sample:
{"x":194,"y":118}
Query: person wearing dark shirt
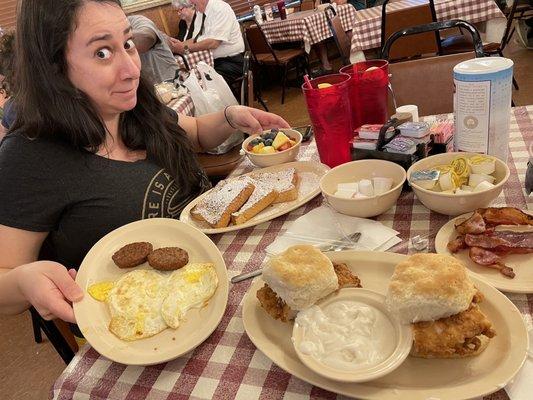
{"x":91,"y":149}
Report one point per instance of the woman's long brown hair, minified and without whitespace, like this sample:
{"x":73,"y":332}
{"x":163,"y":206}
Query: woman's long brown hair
{"x":49,"y":106}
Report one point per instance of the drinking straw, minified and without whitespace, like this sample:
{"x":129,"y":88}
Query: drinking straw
{"x":306,"y":79}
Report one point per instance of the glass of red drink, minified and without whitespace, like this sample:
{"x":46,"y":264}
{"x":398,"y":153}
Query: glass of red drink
{"x":368,"y":91}
{"x":329,"y":110}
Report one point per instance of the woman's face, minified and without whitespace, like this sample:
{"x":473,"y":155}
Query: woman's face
{"x":102,"y":59}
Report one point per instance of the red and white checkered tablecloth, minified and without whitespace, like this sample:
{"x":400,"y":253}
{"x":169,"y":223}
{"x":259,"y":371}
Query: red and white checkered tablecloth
{"x":182,"y":105}
{"x":195,"y":57}
{"x":227,"y":365}
{"x":308,"y":26}
{"x":366,"y":32}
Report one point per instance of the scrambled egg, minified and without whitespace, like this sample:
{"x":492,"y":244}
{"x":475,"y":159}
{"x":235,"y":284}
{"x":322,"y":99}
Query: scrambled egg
{"x":143,"y":303}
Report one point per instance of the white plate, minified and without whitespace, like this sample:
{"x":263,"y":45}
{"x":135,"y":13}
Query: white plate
{"x":522,"y":264}
{"x":93,"y":316}
{"x":416,"y":378}
{"x":309,"y":173}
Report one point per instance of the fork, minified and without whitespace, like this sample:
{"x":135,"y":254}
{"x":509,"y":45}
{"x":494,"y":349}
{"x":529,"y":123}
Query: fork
{"x":340,"y":245}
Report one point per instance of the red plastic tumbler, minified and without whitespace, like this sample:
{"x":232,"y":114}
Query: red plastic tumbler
{"x":368,"y":91}
{"x":281,"y":9}
{"x":329,"y":109}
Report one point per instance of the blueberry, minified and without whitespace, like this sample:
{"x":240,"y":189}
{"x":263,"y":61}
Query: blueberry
{"x":274,"y":131}
{"x":269,"y":142}
{"x":256,"y":141}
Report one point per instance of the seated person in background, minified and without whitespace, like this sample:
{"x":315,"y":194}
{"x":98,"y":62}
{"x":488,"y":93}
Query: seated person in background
{"x":7,"y":56}
{"x":187,"y":15}
{"x":219,"y":32}
{"x":156,"y":57}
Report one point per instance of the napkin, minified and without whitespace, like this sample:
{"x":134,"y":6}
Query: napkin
{"x":521,"y":387}
{"x":323,"y":226}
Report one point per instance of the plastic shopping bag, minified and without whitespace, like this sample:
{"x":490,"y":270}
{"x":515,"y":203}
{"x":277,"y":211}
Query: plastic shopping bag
{"x":210,"y":93}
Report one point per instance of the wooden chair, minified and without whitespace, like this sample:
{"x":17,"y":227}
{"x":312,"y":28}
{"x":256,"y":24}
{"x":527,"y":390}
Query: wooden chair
{"x":339,"y":35}
{"x":421,"y":44}
{"x":428,"y":82}
{"x":58,"y":334}
{"x":306,"y":5}
{"x":264,"y":55}
{"x":408,"y":47}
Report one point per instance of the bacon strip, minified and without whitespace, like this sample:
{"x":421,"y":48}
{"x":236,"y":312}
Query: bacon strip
{"x":494,"y":216}
{"x":474,"y":225}
{"x":489,"y":259}
{"x":503,"y":242}
{"x":457,"y":244}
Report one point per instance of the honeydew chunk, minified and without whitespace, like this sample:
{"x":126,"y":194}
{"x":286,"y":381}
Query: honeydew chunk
{"x":427,"y":184}
{"x":381,"y":185}
{"x":280,"y":140}
{"x":483,"y":186}
{"x":366,"y":188}
{"x":476,"y":179}
{"x":359,"y":196}
{"x":466,"y":188}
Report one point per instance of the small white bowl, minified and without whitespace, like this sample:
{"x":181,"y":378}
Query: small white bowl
{"x":456,"y":204}
{"x":279,"y":157}
{"x":401,"y":337}
{"x":355,"y":171}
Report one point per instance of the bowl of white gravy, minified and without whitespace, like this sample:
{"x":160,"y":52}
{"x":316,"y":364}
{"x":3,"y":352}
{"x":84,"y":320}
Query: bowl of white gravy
{"x":350,"y":336}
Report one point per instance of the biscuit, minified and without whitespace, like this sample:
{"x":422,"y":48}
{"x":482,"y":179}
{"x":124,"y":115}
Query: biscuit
{"x":168,"y":258}
{"x":132,"y":254}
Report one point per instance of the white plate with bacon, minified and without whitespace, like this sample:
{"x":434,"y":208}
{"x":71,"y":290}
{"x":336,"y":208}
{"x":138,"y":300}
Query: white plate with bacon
{"x":494,"y":243}
{"x":254,"y":198}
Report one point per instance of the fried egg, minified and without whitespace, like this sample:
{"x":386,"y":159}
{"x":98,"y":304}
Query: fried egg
{"x":189,"y":287}
{"x":100,"y":291}
{"x":135,"y":305}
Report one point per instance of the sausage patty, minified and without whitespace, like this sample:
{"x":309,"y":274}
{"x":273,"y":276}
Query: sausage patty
{"x":168,"y":258}
{"x":132,"y":254}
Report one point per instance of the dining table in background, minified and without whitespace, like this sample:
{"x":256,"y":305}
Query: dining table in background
{"x":194,"y":57}
{"x":182,"y":105}
{"x":309,"y":27}
{"x":228,"y":365}
{"x":366,"y":29}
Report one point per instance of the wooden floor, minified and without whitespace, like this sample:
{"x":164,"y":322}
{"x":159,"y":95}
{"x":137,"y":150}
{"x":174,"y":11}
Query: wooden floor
{"x":28,"y":369}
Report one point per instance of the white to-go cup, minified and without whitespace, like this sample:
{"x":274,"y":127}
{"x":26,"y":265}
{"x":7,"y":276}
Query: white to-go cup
{"x":411,"y":109}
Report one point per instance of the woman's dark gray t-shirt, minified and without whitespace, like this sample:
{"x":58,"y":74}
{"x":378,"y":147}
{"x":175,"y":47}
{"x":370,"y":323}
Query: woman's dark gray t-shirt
{"x":78,"y":196}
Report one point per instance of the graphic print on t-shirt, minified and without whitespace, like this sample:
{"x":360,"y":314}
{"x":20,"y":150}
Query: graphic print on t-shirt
{"x":162,"y":197}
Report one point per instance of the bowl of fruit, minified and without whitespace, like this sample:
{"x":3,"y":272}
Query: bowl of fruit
{"x":273,"y":147}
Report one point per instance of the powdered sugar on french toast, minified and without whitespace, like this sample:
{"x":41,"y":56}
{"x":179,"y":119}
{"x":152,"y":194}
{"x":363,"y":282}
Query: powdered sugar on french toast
{"x":259,"y":193}
{"x":222,"y":195}
{"x":281,"y":181}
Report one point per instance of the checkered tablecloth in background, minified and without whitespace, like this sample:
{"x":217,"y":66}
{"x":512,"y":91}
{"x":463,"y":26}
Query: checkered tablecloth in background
{"x":308,"y":26}
{"x":195,"y":57}
{"x":366,"y":31}
{"x":182,"y":105}
{"x":227,"y":365}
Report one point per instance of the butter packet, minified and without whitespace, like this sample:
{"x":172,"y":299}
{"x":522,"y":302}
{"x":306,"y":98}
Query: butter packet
{"x":426,"y":179}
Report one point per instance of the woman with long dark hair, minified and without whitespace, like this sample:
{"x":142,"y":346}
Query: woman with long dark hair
{"x":91,"y":149}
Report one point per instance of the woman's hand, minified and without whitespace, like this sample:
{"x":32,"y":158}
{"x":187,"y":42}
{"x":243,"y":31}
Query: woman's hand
{"x":252,"y":120}
{"x":50,"y":288}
